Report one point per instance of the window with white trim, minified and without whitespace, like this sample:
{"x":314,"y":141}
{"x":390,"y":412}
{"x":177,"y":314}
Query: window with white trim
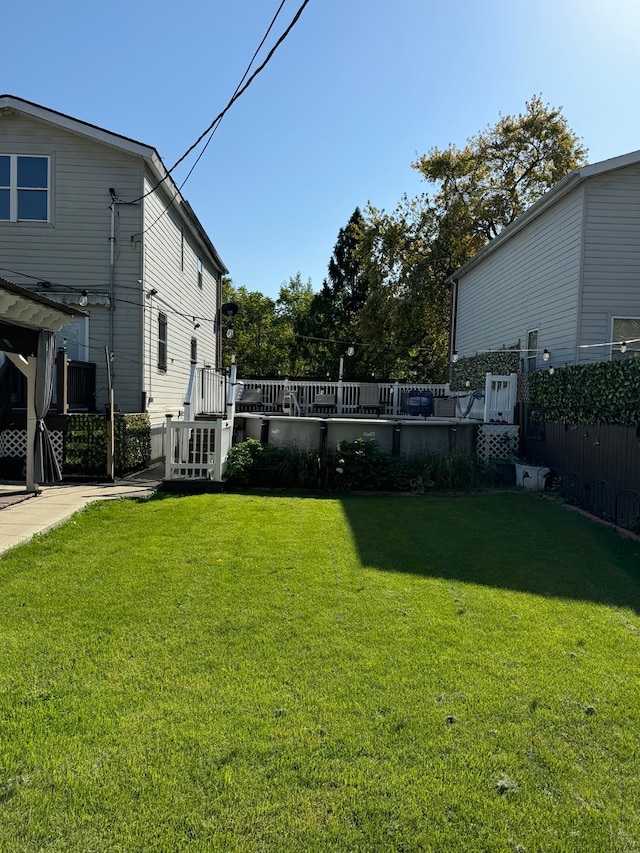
{"x":626,"y":338}
{"x":24,"y":188}
{"x":199,"y":269}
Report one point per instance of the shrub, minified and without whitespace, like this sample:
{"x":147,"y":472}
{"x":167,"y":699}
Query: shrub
{"x":359,"y":465}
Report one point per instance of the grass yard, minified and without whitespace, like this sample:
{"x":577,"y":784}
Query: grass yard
{"x":249,"y":673}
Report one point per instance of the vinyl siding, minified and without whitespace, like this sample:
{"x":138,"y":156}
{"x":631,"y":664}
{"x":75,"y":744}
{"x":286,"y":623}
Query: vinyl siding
{"x":73,"y":251}
{"x":611,"y":273}
{"x":530,"y":282}
{"x":74,"y":248}
{"x":171,"y":268}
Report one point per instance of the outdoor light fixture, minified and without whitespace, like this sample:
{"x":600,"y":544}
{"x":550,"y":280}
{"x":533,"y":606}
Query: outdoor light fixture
{"x":151,"y":293}
{"x":454,"y":356}
{"x":83,"y":298}
{"x":351,"y":350}
{"x":623,"y":346}
{"x":552,"y":370}
{"x":545,"y":354}
{"x":230,"y":332}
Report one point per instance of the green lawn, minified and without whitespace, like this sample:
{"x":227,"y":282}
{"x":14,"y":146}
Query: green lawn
{"x":250,"y":673}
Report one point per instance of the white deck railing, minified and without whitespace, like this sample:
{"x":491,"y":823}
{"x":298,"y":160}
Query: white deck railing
{"x":347,"y":394}
{"x":197,"y":449}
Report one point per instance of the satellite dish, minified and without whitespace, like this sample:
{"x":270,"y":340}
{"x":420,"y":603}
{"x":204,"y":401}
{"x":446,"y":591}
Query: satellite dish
{"x":229,"y":309}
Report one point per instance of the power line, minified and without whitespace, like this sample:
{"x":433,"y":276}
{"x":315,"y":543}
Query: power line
{"x":237,"y":94}
{"x":215,"y":124}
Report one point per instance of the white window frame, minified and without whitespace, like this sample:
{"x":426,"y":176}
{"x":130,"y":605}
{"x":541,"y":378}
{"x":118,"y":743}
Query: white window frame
{"x":633,"y":347}
{"x":199,"y":269}
{"x":14,"y":188}
{"x":531,"y":360}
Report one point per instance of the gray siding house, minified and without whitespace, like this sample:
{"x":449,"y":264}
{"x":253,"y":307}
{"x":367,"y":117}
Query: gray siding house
{"x":92,"y":218}
{"x":563,"y":278}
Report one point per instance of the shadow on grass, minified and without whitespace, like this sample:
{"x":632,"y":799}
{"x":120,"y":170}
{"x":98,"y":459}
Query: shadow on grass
{"x":510,"y":541}
{"x":507,"y":540}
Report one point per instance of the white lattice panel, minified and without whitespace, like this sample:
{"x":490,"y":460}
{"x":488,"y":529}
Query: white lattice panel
{"x":497,"y":441}
{"x":13,"y":442}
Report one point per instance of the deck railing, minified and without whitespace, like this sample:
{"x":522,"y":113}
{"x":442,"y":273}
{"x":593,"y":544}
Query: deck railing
{"x":345,"y":396}
{"x":197,"y":449}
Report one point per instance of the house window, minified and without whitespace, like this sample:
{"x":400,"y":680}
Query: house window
{"x":532,"y":350}
{"x":194,"y":350}
{"x":162,"y":341}
{"x":626,"y":336}
{"x":199,"y":268}
{"x":182,"y":250}
{"x":24,"y":188}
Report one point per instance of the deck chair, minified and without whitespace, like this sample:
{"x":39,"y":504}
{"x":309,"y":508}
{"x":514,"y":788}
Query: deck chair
{"x":324,"y":401}
{"x":250,"y":400}
{"x":369,"y":399}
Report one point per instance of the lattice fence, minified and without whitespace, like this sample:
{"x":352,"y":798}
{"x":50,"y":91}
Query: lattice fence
{"x":13,"y":442}
{"x":498,"y":441}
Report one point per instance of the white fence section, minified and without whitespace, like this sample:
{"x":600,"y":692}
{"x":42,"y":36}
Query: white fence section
{"x":197,"y":449}
{"x":500,"y":398}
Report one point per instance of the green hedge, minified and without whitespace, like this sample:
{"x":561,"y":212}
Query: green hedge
{"x":475,"y":368}
{"x":604,"y":393}
{"x":85,"y":444}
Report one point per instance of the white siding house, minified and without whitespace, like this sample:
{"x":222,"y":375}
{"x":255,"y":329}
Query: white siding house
{"x":86,"y":214}
{"x":564,"y":277}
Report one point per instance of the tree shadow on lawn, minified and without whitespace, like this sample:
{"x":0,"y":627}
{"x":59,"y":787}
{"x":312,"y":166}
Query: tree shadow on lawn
{"x":511,"y":541}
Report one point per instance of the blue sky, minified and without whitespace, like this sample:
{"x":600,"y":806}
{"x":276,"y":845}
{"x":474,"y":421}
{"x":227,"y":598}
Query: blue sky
{"x":355,"y":93}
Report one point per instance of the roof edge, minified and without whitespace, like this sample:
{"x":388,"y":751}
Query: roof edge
{"x":557,"y":192}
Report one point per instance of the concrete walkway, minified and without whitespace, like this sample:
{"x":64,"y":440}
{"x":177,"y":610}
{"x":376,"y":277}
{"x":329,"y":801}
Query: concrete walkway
{"x":20,"y":519}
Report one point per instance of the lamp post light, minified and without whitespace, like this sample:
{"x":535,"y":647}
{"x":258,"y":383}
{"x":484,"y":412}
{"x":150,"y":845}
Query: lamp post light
{"x":350,"y":351}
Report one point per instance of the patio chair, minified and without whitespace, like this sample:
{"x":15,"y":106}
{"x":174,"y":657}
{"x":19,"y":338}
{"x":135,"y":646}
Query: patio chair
{"x":324,"y":401}
{"x":369,"y":400}
{"x":250,"y":400}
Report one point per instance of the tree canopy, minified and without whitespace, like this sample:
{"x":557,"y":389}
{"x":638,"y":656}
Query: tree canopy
{"x":385,"y":293}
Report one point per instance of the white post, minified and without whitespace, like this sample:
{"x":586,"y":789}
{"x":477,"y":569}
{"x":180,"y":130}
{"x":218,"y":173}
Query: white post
{"x":487,"y":398}
{"x":231,"y":391}
{"x":168,"y":448}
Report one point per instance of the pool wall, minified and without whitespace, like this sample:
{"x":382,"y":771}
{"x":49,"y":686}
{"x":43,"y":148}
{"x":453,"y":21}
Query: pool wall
{"x":397,"y":436}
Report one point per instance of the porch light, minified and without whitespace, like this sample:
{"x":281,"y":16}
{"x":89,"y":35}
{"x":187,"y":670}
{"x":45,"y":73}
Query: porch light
{"x":545,"y":354}
{"x":350,"y":351}
{"x":454,"y":356}
{"x":552,"y":370}
{"x":623,"y":346}
{"x":82,"y":301}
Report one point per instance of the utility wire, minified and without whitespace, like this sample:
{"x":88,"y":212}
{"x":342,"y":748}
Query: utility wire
{"x":214,"y":125}
{"x":237,"y":94}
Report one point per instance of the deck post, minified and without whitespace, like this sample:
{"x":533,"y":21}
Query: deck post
{"x":168,"y":448}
